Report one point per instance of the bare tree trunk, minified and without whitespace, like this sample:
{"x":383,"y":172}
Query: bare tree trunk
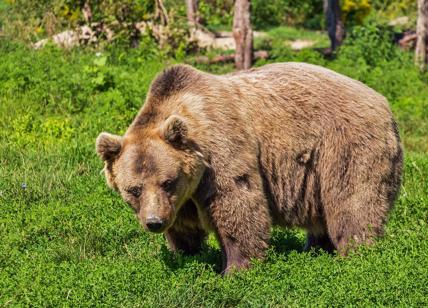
{"x":161,"y":12}
{"x":421,"y":56}
{"x":192,"y":13}
{"x":87,"y":12}
{"x":335,"y":26}
{"x":243,"y":34}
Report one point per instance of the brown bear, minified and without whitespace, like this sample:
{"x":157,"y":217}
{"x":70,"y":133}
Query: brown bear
{"x":287,"y":144}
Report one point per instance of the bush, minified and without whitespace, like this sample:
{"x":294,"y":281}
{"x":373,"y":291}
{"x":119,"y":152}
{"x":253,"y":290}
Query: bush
{"x":355,"y":11}
{"x":386,"y":10}
{"x":308,"y":13}
{"x":370,"y":43}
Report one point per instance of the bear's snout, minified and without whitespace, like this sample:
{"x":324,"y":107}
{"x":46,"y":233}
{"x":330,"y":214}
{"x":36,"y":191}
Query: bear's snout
{"x":155,"y":224}
{"x":156,"y":213}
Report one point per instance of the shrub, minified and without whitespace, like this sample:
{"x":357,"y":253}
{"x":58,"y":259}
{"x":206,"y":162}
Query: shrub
{"x":370,"y":43}
{"x":307,"y":13}
{"x":355,"y":11}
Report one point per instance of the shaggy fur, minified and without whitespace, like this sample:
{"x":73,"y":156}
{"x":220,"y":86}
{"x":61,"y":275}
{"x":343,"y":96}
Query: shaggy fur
{"x":290,"y":144}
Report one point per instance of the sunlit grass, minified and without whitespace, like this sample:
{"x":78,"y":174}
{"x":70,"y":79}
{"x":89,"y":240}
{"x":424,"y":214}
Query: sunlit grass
{"x":68,"y":240}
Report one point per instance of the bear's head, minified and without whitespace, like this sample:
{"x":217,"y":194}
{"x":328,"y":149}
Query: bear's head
{"x":155,"y":171}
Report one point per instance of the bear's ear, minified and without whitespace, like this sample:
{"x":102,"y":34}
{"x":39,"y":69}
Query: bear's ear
{"x":175,"y":131}
{"x":108,"y":146}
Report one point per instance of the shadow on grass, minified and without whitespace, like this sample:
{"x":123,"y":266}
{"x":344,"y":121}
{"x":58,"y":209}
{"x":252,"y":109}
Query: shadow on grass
{"x":283,"y":241}
{"x":208,"y":255}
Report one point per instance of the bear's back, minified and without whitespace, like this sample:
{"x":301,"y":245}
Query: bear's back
{"x":303,"y":99}
{"x":297,"y":80}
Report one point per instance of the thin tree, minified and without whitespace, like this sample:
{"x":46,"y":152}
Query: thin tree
{"x":335,"y":25}
{"x":161,"y":12}
{"x":192,"y":13}
{"x":421,"y":56}
{"x":87,"y":12}
{"x":243,"y":34}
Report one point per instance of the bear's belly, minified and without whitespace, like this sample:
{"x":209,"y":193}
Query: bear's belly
{"x":292,"y":188}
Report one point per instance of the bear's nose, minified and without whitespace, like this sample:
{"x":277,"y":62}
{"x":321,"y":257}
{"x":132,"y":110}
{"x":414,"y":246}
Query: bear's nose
{"x":154,"y":224}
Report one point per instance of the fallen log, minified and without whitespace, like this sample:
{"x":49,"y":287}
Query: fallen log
{"x":261,"y":54}
{"x":408,"y":41}
{"x":81,"y":35}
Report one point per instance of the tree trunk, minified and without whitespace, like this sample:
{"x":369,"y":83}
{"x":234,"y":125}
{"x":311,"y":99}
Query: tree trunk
{"x":87,"y":12}
{"x":192,"y":13}
{"x":335,"y":26}
{"x":422,"y":34}
{"x":243,"y":34}
{"x":160,"y":12}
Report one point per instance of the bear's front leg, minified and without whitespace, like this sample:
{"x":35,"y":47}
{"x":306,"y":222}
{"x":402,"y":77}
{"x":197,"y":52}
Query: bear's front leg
{"x":186,"y":235}
{"x":188,"y":240}
{"x":242,"y":223}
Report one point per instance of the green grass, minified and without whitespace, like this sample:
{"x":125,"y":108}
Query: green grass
{"x":287,"y":34}
{"x":67,"y":240}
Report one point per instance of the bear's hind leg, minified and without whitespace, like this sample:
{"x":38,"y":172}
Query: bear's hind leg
{"x":349,"y":228}
{"x":358,"y":189}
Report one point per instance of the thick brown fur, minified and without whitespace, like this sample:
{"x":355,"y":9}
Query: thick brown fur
{"x":290,"y":144}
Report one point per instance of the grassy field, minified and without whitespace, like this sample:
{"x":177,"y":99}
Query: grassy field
{"x":67,"y":240}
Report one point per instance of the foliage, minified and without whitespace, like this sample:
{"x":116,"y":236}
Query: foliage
{"x":355,"y":11}
{"x":371,"y":43}
{"x":67,"y":240}
{"x":29,"y":21}
{"x":307,"y":13}
{"x":386,"y":10}
{"x":115,"y":21}
{"x":48,"y":17}
{"x":216,"y":14}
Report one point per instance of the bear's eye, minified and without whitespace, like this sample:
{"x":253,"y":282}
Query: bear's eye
{"x":168,"y":185}
{"x":135,"y":191}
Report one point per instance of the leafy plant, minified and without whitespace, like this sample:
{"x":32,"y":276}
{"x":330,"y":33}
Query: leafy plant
{"x":355,"y":11}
